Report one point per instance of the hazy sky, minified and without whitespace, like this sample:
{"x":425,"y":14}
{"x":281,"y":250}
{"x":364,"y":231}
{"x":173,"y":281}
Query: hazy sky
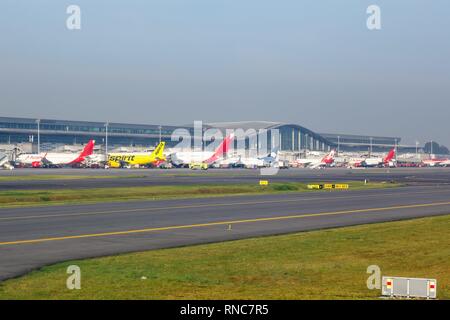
{"x":314,"y":63}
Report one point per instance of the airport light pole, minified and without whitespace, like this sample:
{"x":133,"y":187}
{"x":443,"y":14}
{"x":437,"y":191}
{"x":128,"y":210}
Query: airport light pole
{"x":396,"y":149}
{"x":371,"y":147}
{"x":160,"y":127}
{"x":106,"y":141}
{"x":339,"y":142}
{"x":417,"y":149}
{"x":38,"y":122}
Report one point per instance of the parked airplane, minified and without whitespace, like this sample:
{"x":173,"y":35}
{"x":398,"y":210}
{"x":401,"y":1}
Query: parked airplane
{"x":95,"y":160}
{"x":126,"y":160}
{"x":252,"y":162}
{"x":374,"y":162}
{"x":315,"y":163}
{"x":56,"y":159}
{"x":184,"y":158}
{"x":30,"y":159}
{"x":227,"y":162}
{"x":434,"y":162}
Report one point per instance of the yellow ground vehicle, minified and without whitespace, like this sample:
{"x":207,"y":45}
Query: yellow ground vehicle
{"x":198,"y":166}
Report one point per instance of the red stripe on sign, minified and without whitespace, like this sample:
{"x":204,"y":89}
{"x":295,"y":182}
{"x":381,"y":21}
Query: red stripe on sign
{"x":389,"y":283}
{"x":431,"y":286}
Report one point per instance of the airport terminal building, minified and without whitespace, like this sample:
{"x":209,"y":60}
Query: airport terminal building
{"x":292,"y":137}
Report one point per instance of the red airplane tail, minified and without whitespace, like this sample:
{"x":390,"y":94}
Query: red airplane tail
{"x":329,"y":158}
{"x":87,"y":151}
{"x":221,"y":149}
{"x":389,"y":156}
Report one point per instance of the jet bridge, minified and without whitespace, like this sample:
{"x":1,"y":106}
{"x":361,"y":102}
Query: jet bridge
{"x":4,"y":161}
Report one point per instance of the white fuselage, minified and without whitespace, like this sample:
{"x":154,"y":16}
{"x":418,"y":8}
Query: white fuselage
{"x":228,"y":161}
{"x":309,"y":162}
{"x":436,"y":162}
{"x":61,"y":158}
{"x":29,"y":158}
{"x":96,"y":158}
{"x":252,"y":162}
{"x":248,"y":162}
{"x":373,"y":161}
{"x":184,"y":158}
{"x":53,"y":158}
{"x":368,"y":161}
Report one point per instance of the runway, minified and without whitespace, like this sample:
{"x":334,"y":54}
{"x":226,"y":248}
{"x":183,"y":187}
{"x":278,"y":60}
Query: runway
{"x":32,"y":237}
{"x":153,"y":177}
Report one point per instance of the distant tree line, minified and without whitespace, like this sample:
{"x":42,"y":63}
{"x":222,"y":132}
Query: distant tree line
{"x":437,"y":148}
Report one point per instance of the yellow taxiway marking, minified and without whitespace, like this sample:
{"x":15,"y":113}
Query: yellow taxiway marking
{"x":210,"y":205}
{"x":218,"y":223}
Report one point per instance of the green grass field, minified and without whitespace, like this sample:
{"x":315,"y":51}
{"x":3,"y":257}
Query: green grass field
{"x":14,"y":198}
{"x":326,"y":264}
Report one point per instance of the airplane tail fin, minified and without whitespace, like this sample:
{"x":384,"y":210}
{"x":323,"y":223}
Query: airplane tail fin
{"x":222,"y":149}
{"x":88,"y":149}
{"x":158,"y":153}
{"x":329,"y":157}
{"x":274,"y":152}
{"x":389,"y":156}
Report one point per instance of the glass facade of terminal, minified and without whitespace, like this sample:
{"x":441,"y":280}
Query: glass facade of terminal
{"x":296,"y":138}
{"x":291,"y":137}
{"x":19,"y":130}
{"x":362,"y":143}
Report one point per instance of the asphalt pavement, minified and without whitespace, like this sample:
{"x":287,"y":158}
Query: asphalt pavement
{"x":154,"y":177}
{"x":31,"y":237}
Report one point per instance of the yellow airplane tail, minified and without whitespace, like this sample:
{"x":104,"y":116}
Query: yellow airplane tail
{"x":158,"y":153}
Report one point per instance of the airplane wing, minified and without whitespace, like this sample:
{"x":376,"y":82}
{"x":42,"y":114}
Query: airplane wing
{"x":44,"y":160}
{"x":316,"y":165}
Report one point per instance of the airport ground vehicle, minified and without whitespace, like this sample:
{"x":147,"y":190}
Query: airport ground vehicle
{"x":282,"y":164}
{"x":198,"y":166}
